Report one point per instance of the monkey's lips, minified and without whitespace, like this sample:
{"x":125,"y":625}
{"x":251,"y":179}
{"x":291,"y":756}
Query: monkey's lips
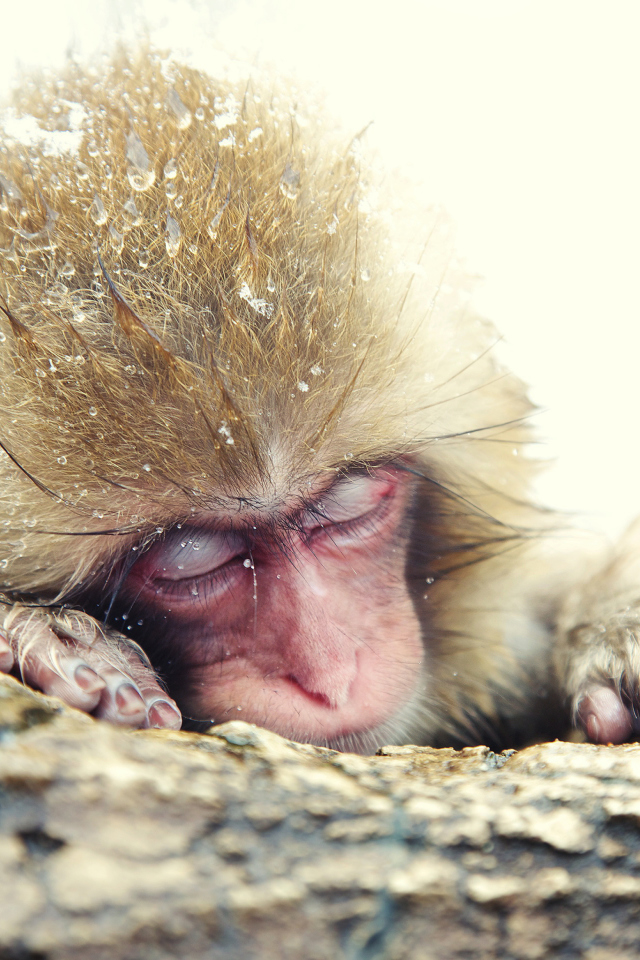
{"x":236,"y":690}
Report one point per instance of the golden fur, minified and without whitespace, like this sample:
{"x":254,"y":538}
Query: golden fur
{"x":196,"y":303}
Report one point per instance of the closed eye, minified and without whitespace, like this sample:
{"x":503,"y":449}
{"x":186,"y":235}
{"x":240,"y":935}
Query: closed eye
{"x":358,"y":500}
{"x":186,"y":556}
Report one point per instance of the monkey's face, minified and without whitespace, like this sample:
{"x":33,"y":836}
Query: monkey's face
{"x":295,"y":616}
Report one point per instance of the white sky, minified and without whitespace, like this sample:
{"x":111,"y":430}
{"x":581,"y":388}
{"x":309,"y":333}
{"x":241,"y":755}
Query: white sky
{"x":521,"y":119}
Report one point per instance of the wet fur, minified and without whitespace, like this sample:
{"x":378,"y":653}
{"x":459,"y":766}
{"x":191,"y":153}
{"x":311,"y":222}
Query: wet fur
{"x":253,"y":297}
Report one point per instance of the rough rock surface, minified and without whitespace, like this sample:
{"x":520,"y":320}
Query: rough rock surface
{"x":151,"y":845}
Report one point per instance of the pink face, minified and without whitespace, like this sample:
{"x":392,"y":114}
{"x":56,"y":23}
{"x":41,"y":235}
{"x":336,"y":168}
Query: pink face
{"x":296,"y":619}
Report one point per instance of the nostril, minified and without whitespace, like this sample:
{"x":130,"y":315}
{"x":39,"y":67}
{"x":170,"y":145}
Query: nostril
{"x":319,"y":698}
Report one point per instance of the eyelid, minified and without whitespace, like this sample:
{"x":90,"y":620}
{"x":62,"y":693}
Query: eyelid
{"x":185,"y":556}
{"x":348,"y":500}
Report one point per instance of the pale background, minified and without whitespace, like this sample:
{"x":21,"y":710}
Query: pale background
{"x":521,"y":119}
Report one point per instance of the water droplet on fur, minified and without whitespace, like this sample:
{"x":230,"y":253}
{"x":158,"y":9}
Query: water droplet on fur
{"x":92,"y":148}
{"x":4,"y":564}
{"x":140,"y":180}
{"x":171,"y":190}
{"x":199,"y":114}
{"x":93,"y":412}
{"x":172,"y":236}
{"x":136,"y":153}
{"x":67,"y":269}
{"x":146,"y":467}
{"x":116,"y":238}
{"x":365,"y":274}
{"x":170,"y":169}
{"x":212,"y":227}
{"x":181,"y":113}
{"x":131,"y":213}
{"x":289,"y":183}
{"x":2,"y":337}
{"x":143,"y":259}
{"x":62,"y":461}
{"x":97,"y":211}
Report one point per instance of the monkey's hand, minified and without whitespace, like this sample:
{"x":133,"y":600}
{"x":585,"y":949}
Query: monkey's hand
{"x":602,"y":677}
{"x":70,"y":655}
{"x":598,"y":647}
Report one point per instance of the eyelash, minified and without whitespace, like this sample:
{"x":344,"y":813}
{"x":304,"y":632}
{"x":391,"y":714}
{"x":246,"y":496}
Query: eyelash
{"x":205,"y":583}
{"x":371,"y":519}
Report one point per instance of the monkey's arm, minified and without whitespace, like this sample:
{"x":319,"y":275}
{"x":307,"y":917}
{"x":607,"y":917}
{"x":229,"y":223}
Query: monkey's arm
{"x":70,"y":655}
{"x":597,"y":653}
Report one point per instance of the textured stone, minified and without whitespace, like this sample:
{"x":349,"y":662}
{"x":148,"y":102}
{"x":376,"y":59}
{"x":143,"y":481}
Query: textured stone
{"x":239,"y":845}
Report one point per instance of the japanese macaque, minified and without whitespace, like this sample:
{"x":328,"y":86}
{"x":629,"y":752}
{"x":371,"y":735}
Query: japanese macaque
{"x":251,"y":466}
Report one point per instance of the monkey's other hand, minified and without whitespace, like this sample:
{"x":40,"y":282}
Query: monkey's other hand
{"x":603,"y":677}
{"x":69,"y":655}
{"x":604,"y":717}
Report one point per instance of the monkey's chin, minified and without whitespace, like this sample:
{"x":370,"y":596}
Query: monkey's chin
{"x":369,"y":717}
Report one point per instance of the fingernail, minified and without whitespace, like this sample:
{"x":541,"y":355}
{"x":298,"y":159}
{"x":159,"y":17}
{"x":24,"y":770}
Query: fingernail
{"x":87,"y":679}
{"x":128,"y":700}
{"x":592,"y":727}
{"x":163,"y":714}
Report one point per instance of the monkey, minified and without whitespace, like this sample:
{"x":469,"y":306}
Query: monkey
{"x":252,"y":466}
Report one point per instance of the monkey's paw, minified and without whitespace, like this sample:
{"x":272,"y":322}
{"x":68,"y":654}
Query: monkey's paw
{"x":603,"y":678}
{"x":69,"y":655}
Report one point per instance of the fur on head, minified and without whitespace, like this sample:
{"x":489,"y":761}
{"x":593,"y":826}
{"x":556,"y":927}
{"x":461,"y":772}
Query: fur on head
{"x":197,"y":304}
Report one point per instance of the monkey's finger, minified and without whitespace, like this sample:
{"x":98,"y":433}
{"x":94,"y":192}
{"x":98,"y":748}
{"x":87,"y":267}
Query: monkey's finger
{"x":6,"y":655}
{"x":121,"y":701}
{"x":162,"y":711}
{"x":604,"y":717}
{"x":132,"y":696}
{"x":49,"y":665}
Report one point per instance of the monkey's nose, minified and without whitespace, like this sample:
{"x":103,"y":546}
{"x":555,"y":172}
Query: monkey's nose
{"x":329,"y":681}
